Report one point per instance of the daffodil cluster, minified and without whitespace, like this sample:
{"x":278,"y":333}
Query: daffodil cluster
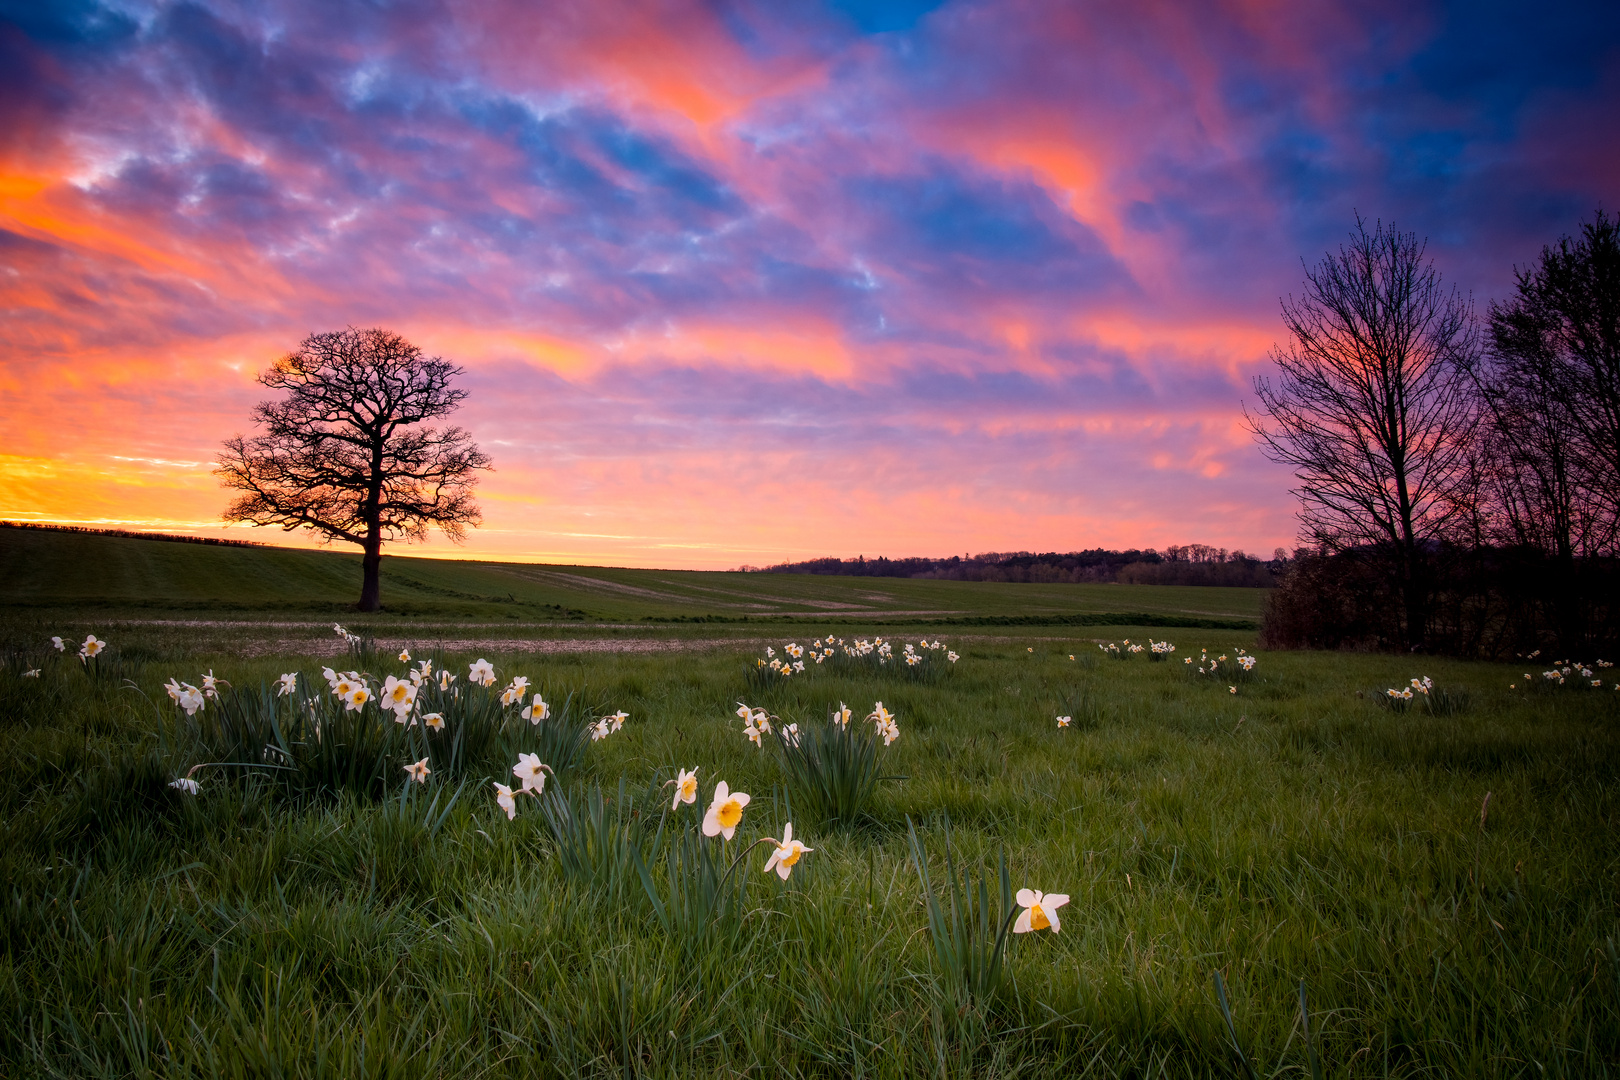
{"x":1565,"y":670}
{"x":1421,"y":685}
{"x":872,"y":652}
{"x":1237,"y":666}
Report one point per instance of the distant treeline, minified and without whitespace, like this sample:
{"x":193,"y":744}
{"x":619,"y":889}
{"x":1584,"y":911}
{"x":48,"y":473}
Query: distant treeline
{"x":173,"y":538}
{"x":1188,"y":564}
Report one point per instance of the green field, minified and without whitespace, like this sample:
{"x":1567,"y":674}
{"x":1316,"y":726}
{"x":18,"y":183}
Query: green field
{"x":310,"y":913}
{"x":81,"y":572}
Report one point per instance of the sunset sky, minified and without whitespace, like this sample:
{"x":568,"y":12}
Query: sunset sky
{"x":743,"y":282}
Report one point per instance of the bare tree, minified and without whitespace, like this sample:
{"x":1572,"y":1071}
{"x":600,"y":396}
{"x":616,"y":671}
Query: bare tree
{"x":1371,"y":407}
{"x":343,"y":453}
{"x":1554,"y":385}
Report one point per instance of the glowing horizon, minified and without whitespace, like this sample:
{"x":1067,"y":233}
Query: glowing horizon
{"x":750,"y":283}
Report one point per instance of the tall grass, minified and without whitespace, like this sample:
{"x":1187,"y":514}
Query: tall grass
{"x":832,"y":769}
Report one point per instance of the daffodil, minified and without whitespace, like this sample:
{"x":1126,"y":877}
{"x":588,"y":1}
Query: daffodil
{"x":1063,"y":721}
{"x":481,"y":672}
{"x":617,"y":719}
{"x":434,"y":720}
{"x":532,"y":771}
{"x":31,"y":673}
{"x":1040,"y":911}
{"x":58,"y":644}
{"x":404,"y":656}
{"x":842,"y":716}
{"x":190,"y":699}
{"x":419,"y":771}
{"x":787,"y":854}
{"x":725,"y":811}
{"x":446,"y":678}
{"x":1232,"y":689}
{"x":685,"y":788}
{"x":91,"y":646}
{"x":503,"y":796}
{"x":515,"y":691}
{"x":357,"y":698}
{"x":536,"y":711}
{"x":289,"y":683}
{"x":185,"y":784}
{"x":397,"y":693}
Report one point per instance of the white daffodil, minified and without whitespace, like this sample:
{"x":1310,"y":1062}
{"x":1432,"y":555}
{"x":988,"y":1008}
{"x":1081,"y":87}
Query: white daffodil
{"x":515,"y":690}
{"x":786,"y":854}
{"x":357,"y":698}
{"x":419,"y":771}
{"x":404,"y":656}
{"x":446,"y":678}
{"x":289,"y":683}
{"x":1040,"y":911}
{"x":790,"y":734}
{"x":185,"y":784}
{"x":685,"y":788}
{"x":58,"y":644}
{"x":91,"y":646}
{"x":481,"y":672}
{"x":190,"y":699}
{"x":1064,"y":721}
{"x":952,"y":657}
{"x":744,"y":711}
{"x":600,"y":730}
{"x":434,"y":720}
{"x":880,"y":716}
{"x":617,"y":719}
{"x":503,"y":796}
{"x":537,"y":711}
{"x":725,"y":811}
{"x":1232,"y":689}
{"x":842,"y":716}
{"x":532,"y":771}
{"x":210,"y":684}
{"x":31,"y":673}
{"x":173,"y":687}
{"x":397,"y":694}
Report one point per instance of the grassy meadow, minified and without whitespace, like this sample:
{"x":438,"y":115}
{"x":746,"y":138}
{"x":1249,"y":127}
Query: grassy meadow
{"x":1291,"y":879}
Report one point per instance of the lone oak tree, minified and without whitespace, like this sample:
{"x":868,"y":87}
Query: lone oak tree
{"x":344,"y":453}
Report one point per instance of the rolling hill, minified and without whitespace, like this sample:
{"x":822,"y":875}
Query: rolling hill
{"x":76,"y":571}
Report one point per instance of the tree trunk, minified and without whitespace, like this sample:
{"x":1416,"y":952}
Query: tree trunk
{"x":371,"y":584}
{"x":1415,"y":598}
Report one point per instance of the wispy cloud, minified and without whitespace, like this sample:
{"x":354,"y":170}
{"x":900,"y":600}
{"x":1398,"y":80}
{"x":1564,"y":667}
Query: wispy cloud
{"x":748,"y":280}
